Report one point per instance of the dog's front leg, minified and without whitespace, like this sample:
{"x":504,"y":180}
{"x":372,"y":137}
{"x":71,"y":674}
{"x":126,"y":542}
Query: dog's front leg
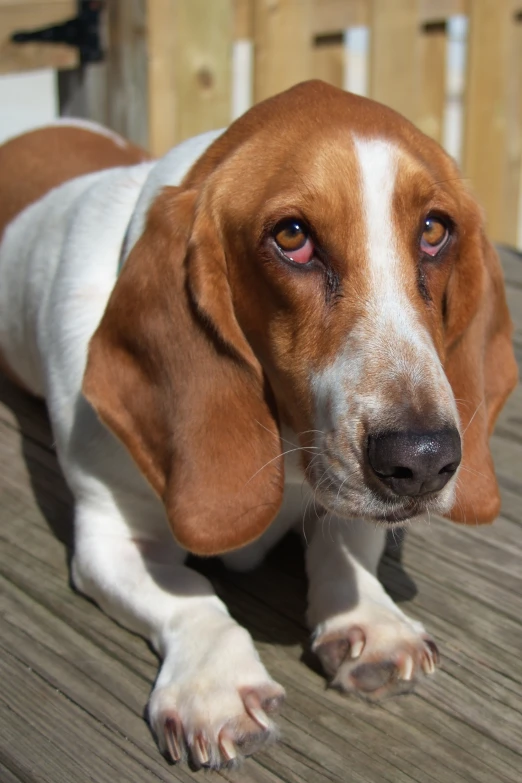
{"x":213,"y":697}
{"x":364,"y":641}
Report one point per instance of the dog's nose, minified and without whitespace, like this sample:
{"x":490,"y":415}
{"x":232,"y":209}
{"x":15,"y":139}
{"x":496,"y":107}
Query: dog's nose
{"x":412,"y":463}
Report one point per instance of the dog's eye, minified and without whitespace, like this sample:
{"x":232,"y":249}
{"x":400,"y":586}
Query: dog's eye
{"x":292,"y":238}
{"x":434,"y":236}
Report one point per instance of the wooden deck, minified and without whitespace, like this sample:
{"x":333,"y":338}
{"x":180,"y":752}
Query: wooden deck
{"x":73,"y":684}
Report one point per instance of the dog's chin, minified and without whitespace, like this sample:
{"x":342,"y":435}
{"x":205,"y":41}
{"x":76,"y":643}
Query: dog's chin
{"x":398,"y":518}
{"x":391,"y":512}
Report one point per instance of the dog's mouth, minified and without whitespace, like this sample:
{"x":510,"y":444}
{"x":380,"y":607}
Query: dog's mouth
{"x":355,"y":497}
{"x":349,"y":485}
{"x":399,"y":516}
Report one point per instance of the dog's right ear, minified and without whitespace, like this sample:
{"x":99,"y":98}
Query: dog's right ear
{"x":183,"y":390}
{"x":480,"y":365}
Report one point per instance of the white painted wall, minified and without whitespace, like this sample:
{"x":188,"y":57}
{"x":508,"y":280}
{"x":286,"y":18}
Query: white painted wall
{"x":28,"y":100}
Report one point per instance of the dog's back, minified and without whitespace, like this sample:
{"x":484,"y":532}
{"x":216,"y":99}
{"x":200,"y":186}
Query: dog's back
{"x":37,"y":161}
{"x":42,"y":175}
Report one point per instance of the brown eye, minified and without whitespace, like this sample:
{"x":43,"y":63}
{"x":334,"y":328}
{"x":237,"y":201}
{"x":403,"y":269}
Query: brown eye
{"x":290,"y":235}
{"x":292,"y":238}
{"x":434,"y":236}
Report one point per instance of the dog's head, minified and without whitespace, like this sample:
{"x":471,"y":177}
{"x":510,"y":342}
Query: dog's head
{"x":322,"y":264}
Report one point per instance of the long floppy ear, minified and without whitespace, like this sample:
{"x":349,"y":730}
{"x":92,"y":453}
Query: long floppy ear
{"x":481,"y":368}
{"x":183,"y":390}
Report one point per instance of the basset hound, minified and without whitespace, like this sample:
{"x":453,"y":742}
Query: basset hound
{"x":294,"y":320}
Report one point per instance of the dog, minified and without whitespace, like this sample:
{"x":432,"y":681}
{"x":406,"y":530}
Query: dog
{"x":296,"y":319}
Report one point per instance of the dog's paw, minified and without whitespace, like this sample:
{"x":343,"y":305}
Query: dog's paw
{"x":375,"y":653}
{"x":219,"y":709}
{"x":217,"y":732}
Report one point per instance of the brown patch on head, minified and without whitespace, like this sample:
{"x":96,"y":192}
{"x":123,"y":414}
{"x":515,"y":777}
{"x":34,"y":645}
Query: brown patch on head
{"x":296,"y":319}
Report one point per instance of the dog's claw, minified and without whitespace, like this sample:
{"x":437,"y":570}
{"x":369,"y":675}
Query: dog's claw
{"x":200,"y":751}
{"x":227,"y":748}
{"x":171,"y":739}
{"x":255,"y":711}
{"x":433,"y":650}
{"x":378,"y":660}
{"x":406,"y":669}
{"x":356,"y":649}
{"x":431,"y":657}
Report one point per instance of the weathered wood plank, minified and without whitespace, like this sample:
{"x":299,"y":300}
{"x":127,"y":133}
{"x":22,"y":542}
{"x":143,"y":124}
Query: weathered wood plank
{"x":328,"y":62}
{"x":189,"y":73}
{"x":394,"y":48}
{"x":433,"y":46}
{"x":486,"y":107}
{"x":332,"y":16}
{"x":279,"y":65}
{"x":75,"y":683}
{"x":126,"y":91}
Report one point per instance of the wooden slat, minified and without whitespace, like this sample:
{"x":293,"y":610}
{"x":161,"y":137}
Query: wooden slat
{"x":162,"y":103}
{"x":332,"y":16}
{"x":243,"y":19}
{"x":204,"y":65}
{"x":439,"y":10}
{"x":283,"y":45}
{"x":189,"y":78}
{"x":486,"y":110}
{"x":394,"y":69}
{"x":24,"y":4}
{"x":433,"y":49}
{"x":74,"y":683}
{"x":15,"y":16}
{"x":512,"y":191}
{"x":126,"y":70}
{"x":328,"y":62}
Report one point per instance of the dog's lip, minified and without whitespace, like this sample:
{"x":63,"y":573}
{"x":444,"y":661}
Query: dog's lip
{"x":395,"y":509}
{"x":395,"y":517}
{"x":401,"y":512}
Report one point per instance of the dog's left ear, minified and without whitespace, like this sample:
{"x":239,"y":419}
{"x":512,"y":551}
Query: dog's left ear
{"x":480,"y":366}
{"x":172,"y":375}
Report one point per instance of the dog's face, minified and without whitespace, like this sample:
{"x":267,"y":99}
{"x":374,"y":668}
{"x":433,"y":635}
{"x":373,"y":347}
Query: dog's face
{"x":340,"y":246}
{"x":335,"y":251}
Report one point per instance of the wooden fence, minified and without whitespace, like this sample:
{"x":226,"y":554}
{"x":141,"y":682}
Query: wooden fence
{"x":175,"y":68}
{"x":206,"y":60}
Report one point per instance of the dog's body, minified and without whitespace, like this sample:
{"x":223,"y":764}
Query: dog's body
{"x":151,"y":431}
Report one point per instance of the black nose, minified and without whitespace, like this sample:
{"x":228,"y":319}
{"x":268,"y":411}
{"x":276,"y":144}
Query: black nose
{"x":413,"y":463}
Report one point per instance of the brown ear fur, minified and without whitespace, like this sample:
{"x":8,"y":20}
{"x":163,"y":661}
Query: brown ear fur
{"x":181,"y":387}
{"x":481,"y":368}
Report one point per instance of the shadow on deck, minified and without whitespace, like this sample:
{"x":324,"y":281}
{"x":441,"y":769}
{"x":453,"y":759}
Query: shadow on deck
{"x":74,"y":684}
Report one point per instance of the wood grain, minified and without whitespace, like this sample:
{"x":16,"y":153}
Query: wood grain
{"x":394,"y":71}
{"x":74,"y":684}
{"x":282,"y":45}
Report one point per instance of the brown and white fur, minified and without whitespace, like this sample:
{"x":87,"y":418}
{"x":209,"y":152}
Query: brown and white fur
{"x":182,"y":352}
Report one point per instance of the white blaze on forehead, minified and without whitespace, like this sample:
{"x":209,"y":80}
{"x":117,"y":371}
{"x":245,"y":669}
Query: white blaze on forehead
{"x":394,"y":327}
{"x":378,"y":168}
{"x":389,"y":305}
{"x":388,"y":347}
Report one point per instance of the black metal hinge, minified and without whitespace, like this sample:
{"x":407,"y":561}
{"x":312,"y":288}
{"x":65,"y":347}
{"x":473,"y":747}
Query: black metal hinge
{"x":82,"y":32}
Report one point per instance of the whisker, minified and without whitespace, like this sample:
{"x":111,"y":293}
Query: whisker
{"x":476,"y":411}
{"x":280,"y":437}
{"x":473,"y":471}
{"x":278,"y":456}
